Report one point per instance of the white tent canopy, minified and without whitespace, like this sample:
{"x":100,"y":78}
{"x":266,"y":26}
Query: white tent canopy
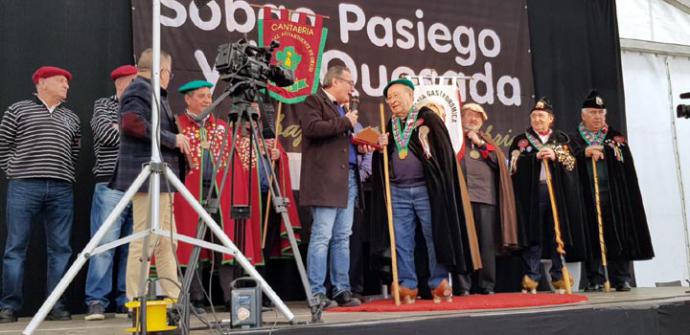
{"x":655,"y":54}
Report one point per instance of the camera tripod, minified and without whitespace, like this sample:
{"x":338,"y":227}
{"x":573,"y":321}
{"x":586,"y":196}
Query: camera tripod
{"x":243,"y":120}
{"x":153,"y":172}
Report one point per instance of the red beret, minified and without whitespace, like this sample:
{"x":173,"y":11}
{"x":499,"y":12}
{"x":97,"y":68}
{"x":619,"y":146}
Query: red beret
{"x":124,"y":70}
{"x":50,"y":71}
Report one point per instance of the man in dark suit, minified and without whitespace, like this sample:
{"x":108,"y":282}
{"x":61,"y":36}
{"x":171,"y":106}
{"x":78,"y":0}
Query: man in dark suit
{"x":329,"y":184}
{"x":135,"y":151}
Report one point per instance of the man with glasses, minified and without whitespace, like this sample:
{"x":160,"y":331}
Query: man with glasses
{"x":329,"y":184}
{"x":135,"y":151}
{"x":626,"y":234}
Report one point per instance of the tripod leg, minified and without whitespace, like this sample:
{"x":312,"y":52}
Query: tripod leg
{"x":86,"y":253}
{"x":246,"y":265}
{"x":274,"y":190}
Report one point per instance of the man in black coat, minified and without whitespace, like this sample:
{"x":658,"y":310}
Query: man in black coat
{"x":135,"y":151}
{"x":624,"y":223}
{"x":534,"y":215}
{"x":424,"y":189}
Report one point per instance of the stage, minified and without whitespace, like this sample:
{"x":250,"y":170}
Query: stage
{"x":643,"y":311}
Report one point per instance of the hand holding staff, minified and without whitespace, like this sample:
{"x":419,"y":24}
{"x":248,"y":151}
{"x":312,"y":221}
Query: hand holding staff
{"x":602,"y":244}
{"x":389,"y":211}
{"x":560,"y":246}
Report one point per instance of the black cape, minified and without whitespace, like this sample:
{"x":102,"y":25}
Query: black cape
{"x":531,"y":227}
{"x":626,"y":232}
{"x":440,"y":171}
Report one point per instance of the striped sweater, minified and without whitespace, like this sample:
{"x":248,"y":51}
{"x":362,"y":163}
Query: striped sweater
{"x":35,"y":143}
{"x":106,"y":137}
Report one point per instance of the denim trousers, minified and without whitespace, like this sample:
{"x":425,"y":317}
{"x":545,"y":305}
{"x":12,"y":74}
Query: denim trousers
{"x":53,"y":200}
{"x":99,"y":279}
{"x":330,"y":236}
{"x":409,"y":205}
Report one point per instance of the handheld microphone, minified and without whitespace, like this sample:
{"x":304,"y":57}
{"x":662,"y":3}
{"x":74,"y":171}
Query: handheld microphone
{"x":354,"y":101}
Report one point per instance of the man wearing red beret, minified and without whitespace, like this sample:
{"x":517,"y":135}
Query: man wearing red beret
{"x":106,"y":136}
{"x":39,"y":147}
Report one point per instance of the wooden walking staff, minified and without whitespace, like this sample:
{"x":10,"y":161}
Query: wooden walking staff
{"x":600,"y":222}
{"x":560,"y":246}
{"x":270,"y":181}
{"x":389,"y":212}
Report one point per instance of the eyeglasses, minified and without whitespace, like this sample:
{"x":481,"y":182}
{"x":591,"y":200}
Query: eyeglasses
{"x":350,"y":82}
{"x":172,"y":75}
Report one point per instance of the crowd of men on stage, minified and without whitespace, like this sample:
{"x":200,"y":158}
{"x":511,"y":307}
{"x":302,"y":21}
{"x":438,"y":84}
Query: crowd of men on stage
{"x":470,"y":206}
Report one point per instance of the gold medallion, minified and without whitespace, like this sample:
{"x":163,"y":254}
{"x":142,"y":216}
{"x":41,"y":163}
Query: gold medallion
{"x":402,"y":154}
{"x":205,"y":144}
{"x":474,"y":154}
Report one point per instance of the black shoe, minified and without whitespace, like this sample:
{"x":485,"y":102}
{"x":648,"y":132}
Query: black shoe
{"x":96,"y":312}
{"x":623,"y":287}
{"x":121,"y":309}
{"x":591,"y":287}
{"x":486,"y":291}
{"x":325,"y":302}
{"x":8,"y":315}
{"x":345,"y":299}
{"x":198,"y":307}
{"x":59,"y":314}
{"x":464,"y":293}
{"x":359,"y":296}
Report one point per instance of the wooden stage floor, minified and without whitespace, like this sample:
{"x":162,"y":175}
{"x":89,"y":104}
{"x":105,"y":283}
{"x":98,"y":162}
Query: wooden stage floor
{"x":638,"y":298}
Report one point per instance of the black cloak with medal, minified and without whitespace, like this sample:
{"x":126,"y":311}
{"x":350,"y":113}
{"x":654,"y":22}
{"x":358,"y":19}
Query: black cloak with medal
{"x":526,"y":169}
{"x":440,"y":172}
{"x":626,"y":232}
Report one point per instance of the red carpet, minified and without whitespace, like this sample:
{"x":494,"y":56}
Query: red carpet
{"x":496,"y":301}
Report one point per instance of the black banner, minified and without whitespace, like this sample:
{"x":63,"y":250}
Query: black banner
{"x":483,"y":43}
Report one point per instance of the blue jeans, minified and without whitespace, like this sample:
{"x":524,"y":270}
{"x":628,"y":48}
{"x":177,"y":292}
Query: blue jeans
{"x":99,"y":280}
{"x":27,"y":198}
{"x":330,"y":230}
{"x":410,"y":203}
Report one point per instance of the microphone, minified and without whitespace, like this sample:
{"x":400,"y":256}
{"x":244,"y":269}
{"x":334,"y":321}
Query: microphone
{"x":354,"y":101}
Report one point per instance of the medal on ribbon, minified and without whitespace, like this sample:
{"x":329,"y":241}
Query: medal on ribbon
{"x":402,"y":135}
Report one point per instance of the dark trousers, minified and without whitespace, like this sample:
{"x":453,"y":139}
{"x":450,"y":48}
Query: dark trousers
{"x":485,"y":220}
{"x":619,"y":269}
{"x":619,"y":272}
{"x":531,"y":255}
